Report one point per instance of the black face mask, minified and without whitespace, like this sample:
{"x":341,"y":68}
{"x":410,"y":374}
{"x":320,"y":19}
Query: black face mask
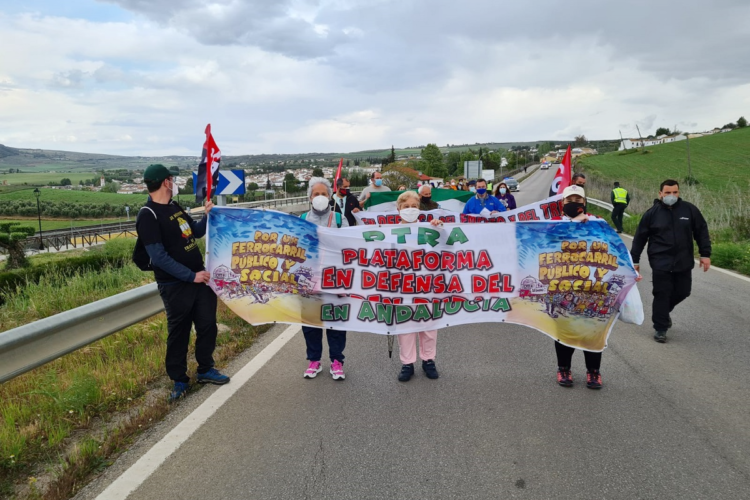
{"x":573,"y":209}
{"x":581,"y":185}
{"x":426,"y":199}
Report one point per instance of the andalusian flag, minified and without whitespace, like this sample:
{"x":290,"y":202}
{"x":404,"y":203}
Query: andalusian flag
{"x":448,"y":199}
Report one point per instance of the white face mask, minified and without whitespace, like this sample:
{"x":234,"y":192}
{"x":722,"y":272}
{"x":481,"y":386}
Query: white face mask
{"x":669,"y":199}
{"x":409,"y":214}
{"x":473,"y":189}
{"x":175,"y":189}
{"x":320,"y":203}
{"x":502,"y":190}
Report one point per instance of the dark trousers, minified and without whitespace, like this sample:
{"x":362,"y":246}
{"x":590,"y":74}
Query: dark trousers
{"x":670,"y":288}
{"x":565,"y":356}
{"x":314,"y":341}
{"x":617,"y":213}
{"x":187,"y":304}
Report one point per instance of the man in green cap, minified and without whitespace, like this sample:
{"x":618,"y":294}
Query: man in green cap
{"x":169,"y":236}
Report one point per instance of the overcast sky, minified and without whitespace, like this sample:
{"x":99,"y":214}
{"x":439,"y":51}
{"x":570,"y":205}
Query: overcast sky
{"x":143,"y":77}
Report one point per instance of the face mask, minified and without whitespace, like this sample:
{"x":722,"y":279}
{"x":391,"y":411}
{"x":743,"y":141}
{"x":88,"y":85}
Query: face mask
{"x":669,"y":199}
{"x":426,"y":199}
{"x":573,"y":209}
{"x":481,"y":191}
{"x":175,"y":189}
{"x":472,"y":189}
{"x":453,"y":183}
{"x":581,"y":185}
{"x":409,"y":214}
{"x":503,"y":190}
{"x":378,"y":182}
{"x":344,"y":192}
{"x":320,"y":203}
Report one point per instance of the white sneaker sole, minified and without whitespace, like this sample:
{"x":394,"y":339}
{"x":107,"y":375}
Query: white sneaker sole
{"x":336,"y":376}
{"x":312,"y":375}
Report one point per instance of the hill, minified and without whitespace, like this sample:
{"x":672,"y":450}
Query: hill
{"x":716,"y":161}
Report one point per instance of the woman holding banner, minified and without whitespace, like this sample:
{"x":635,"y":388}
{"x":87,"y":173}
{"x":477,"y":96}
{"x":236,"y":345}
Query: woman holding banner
{"x":407,"y":205}
{"x":319,"y":192}
{"x":574,"y":208}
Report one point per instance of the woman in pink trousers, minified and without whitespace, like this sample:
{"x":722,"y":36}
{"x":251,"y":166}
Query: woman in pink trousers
{"x":408,"y":207}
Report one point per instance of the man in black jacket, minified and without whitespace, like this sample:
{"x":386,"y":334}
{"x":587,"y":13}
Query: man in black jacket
{"x":669,"y":227}
{"x":344,"y":202}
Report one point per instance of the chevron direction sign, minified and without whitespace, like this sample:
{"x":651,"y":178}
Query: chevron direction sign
{"x":230,"y":182}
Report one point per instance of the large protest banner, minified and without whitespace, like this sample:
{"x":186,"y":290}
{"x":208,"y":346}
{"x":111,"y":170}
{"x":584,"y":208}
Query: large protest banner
{"x":549,"y":209}
{"x":564,"y":279}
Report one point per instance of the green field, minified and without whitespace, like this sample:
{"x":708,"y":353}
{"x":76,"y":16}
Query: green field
{"x":45,"y":178}
{"x":716,"y":162}
{"x":72,"y":196}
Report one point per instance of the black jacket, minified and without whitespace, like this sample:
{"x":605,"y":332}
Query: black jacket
{"x":670,"y":232}
{"x":350,"y":204}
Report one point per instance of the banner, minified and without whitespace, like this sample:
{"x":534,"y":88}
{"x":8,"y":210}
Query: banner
{"x":549,"y":209}
{"x":447,"y":198}
{"x":565,"y":279}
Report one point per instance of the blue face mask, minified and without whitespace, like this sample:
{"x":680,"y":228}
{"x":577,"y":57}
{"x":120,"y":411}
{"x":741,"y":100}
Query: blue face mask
{"x":378,"y":182}
{"x":502,"y":190}
{"x":481,"y":191}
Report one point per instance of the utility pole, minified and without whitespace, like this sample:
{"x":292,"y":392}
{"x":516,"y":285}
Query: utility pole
{"x":690,"y":171}
{"x":643,"y":144}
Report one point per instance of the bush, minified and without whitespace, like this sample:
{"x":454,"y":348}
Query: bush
{"x":115,"y":253}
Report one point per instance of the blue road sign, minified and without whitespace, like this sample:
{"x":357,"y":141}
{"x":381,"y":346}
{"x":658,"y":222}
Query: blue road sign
{"x":230,"y":182}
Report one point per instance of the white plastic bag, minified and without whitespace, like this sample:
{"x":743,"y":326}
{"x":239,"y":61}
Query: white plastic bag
{"x":631,"y":311}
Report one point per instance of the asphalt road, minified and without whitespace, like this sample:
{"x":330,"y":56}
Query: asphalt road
{"x":672,"y":420}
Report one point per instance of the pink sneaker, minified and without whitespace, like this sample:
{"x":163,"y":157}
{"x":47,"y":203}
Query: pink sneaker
{"x":337,"y":370}
{"x":313,"y":370}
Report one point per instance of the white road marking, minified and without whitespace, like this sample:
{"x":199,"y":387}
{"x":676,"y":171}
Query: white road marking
{"x":158,"y":454}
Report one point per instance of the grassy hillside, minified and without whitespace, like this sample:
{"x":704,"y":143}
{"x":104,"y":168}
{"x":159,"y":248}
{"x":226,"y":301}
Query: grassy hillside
{"x":716,"y":161}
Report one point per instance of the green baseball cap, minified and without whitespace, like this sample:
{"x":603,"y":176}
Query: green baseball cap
{"x":156,"y":173}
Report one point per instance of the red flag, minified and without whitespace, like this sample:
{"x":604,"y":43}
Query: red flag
{"x":563,"y":177}
{"x":208,"y":170}
{"x":338,"y":173}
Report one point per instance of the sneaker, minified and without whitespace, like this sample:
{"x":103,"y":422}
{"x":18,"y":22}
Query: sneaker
{"x":564,"y":377}
{"x":660,"y":336}
{"x":406,"y":372}
{"x":179,"y":390}
{"x":593,"y":379}
{"x":337,"y":370}
{"x":212,"y":376}
{"x":429,"y":369}
{"x":313,"y":370}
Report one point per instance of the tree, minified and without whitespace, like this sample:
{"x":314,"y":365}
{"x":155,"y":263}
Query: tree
{"x":290,"y":183}
{"x":391,"y":158}
{"x":398,"y":174}
{"x":731,"y":126}
{"x":663,"y":131}
{"x":545,"y":148}
{"x":12,"y":237}
{"x":453,"y":163}
{"x":111,"y":187}
{"x":433,"y":161}
{"x":742,"y":123}
{"x":65,"y":182}
{"x":581,"y":140}
{"x":317,"y":172}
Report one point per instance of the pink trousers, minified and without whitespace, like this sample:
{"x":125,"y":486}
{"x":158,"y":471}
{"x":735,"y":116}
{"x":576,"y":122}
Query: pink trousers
{"x":407,"y":346}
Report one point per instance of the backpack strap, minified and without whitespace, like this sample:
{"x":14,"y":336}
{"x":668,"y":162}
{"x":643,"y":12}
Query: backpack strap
{"x":149,"y":209}
{"x":338,"y":219}
{"x":303,"y":216}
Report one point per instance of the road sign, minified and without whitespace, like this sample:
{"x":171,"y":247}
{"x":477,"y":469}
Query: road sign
{"x":230,"y":182}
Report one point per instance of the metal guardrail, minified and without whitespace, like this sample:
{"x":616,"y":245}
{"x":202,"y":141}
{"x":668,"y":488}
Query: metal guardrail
{"x":602,"y":204}
{"x":37,"y":343}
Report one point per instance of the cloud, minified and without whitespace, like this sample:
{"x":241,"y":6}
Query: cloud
{"x":347,"y":75}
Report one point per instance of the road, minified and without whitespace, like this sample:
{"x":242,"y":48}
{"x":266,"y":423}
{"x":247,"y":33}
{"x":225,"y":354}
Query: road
{"x":671,"y":421}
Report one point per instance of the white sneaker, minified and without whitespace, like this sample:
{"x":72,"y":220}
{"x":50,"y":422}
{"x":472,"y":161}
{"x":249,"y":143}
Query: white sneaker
{"x":337,"y":370}
{"x":313,"y":370}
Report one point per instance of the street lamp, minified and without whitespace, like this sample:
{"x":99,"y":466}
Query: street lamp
{"x":39,"y":214}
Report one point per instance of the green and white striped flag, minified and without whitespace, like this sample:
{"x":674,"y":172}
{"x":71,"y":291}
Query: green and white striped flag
{"x":448,"y":199}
